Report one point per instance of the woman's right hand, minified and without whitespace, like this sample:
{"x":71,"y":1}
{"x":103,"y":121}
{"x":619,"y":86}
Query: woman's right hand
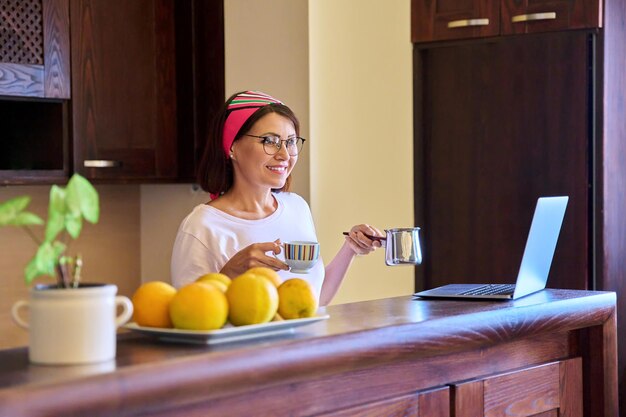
{"x":254,"y":255}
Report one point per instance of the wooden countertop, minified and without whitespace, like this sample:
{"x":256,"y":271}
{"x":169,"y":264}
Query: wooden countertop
{"x":151,"y":375}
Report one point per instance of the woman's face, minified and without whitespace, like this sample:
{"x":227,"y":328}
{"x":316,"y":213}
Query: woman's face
{"x":252,"y":165}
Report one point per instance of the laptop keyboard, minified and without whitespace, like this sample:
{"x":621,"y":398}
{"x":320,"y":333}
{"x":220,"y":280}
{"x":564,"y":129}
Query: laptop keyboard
{"x":491,"y":289}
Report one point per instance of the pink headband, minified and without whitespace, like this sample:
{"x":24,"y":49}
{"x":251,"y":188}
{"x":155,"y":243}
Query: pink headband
{"x":241,"y":108}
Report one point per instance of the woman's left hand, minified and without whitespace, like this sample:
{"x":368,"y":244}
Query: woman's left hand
{"x":359,"y":242}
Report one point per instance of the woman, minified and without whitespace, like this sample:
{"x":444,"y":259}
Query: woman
{"x":246,"y":166}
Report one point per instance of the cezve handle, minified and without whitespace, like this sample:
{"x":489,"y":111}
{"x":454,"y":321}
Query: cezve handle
{"x":377,"y":238}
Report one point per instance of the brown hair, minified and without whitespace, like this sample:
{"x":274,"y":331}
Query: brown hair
{"x":215,"y":172}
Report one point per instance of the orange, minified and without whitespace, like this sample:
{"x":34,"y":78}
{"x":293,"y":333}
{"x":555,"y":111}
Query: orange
{"x":151,"y":304}
{"x":199,"y":306}
{"x":221,"y":281}
{"x":252,"y":299}
{"x":267,"y":273}
{"x":296,"y":299}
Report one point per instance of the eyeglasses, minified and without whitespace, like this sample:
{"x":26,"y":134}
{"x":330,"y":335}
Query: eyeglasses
{"x":272,"y":144}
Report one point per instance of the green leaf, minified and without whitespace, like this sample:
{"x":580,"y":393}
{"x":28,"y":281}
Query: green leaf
{"x":82,"y":196}
{"x":56,"y":213}
{"x":45,"y":261}
{"x":31,"y":271}
{"x":11,"y":208}
{"x":73,"y":224}
{"x":27,"y":219}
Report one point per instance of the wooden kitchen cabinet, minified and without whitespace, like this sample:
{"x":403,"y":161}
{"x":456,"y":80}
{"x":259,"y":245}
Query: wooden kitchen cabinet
{"x":124,"y":101}
{"x":138,"y":100}
{"x":547,"y":15}
{"x":435,"y":20}
{"x":501,"y":121}
{"x":551,"y":353}
{"x":147,"y":76}
{"x":34,"y":48}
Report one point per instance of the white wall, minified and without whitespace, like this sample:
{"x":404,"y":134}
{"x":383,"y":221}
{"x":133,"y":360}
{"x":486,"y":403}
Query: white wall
{"x":361,"y":130}
{"x":267,"y":49}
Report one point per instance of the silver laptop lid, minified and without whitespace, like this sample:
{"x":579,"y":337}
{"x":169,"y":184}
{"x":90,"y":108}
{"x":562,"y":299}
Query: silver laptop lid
{"x":540,"y":245}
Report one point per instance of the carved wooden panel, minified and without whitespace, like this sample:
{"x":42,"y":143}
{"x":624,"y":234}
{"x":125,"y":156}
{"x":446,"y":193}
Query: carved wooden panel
{"x":21,"y":32}
{"x":34,"y":48}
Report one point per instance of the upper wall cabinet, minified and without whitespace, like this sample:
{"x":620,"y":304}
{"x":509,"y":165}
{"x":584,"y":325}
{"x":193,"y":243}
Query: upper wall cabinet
{"x":453,"y":19}
{"x":147,"y":76}
{"x":34,"y":48}
{"x":124,"y":100}
{"x":435,"y":20}
{"x":135,"y":86}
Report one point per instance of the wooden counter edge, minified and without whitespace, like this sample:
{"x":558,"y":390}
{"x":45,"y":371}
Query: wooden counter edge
{"x":202,"y":377}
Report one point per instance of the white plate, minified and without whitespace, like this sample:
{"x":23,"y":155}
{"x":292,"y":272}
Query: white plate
{"x":226,"y":334}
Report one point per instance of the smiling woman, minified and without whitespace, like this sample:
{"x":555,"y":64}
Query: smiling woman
{"x":246,"y":166}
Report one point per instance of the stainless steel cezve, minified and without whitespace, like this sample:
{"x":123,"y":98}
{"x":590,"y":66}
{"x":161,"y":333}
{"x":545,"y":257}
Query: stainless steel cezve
{"x":402,"y":246}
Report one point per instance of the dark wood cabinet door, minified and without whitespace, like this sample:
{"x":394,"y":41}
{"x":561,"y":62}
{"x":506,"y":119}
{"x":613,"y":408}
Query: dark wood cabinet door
{"x":503,"y":123}
{"x":35,"y":48}
{"x":523,"y":16}
{"x":553,"y":389}
{"x":124,"y":100}
{"x":433,"y":20}
{"x":432,"y":403}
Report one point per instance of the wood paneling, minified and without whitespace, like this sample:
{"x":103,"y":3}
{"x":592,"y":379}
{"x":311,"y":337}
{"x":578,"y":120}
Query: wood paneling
{"x":611,"y":195}
{"x":495,"y":138}
{"x":400,"y":406}
{"x":468,"y":399}
{"x":200,"y":77}
{"x":56,"y":15}
{"x":545,"y":390}
{"x":528,"y":392}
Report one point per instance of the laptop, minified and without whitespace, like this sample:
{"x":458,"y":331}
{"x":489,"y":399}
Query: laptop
{"x":533,"y":272}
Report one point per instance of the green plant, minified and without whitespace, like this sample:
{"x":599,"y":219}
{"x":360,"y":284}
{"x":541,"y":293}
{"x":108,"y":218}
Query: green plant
{"x":67,"y":208}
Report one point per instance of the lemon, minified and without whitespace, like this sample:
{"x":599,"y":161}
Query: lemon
{"x":215,"y":276}
{"x":217,"y":284}
{"x":252,"y":299}
{"x":296,"y":299}
{"x":199,"y":306}
{"x":267,"y":273}
{"x":221,"y":281}
{"x":151,"y":304}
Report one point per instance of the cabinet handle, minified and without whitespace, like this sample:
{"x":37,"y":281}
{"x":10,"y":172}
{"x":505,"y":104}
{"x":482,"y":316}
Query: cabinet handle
{"x":468,"y":22}
{"x":101,"y":163}
{"x":533,"y":16}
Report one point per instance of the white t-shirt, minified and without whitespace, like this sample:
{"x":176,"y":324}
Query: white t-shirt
{"x":207,"y":238}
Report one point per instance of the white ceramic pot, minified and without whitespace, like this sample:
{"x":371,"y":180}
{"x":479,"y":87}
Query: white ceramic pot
{"x":73,"y":326}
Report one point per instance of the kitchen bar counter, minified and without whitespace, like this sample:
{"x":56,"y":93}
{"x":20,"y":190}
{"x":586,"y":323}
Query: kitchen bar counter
{"x":552,"y":350}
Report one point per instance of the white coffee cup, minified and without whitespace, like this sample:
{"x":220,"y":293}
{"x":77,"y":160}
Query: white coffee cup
{"x":301,"y":255}
{"x":74,"y":325}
